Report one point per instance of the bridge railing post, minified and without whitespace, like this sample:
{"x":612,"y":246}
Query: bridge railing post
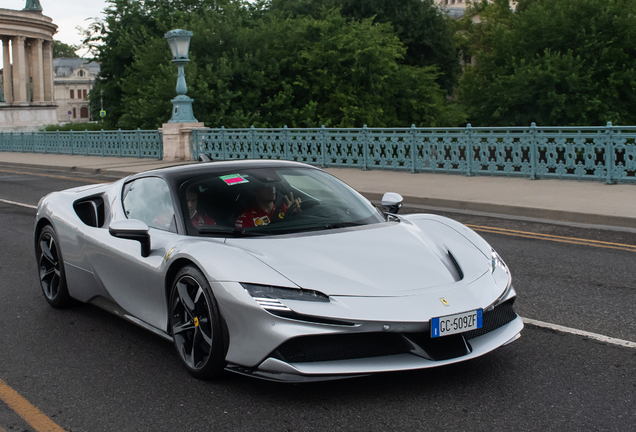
{"x":534,"y":149}
{"x":609,"y":153}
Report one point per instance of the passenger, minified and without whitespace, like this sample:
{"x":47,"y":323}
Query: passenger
{"x":198,"y":219}
{"x":263,"y":211}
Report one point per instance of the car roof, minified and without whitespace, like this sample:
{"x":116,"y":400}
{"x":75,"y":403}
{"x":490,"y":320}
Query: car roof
{"x":179,"y":174}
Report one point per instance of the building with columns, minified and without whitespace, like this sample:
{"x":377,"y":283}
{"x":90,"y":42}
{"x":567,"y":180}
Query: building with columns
{"x":28,"y":97}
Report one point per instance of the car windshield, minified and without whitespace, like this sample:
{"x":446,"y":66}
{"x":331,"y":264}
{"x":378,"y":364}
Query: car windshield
{"x":272,"y":201}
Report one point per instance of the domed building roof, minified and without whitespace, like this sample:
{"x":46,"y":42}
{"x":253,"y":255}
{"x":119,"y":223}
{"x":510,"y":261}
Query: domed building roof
{"x":64,"y":66}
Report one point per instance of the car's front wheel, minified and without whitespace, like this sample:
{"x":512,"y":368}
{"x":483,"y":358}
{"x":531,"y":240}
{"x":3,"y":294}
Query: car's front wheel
{"x":195,"y":324}
{"x":51,"y":269}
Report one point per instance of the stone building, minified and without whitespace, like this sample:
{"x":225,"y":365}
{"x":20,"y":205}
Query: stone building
{"x":73,"y":82}
{"x":456,"y":8}
{"x":28,"y":100}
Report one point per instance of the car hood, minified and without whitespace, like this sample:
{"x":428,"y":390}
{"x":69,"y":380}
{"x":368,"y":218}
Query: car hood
{"x":384,"y":259}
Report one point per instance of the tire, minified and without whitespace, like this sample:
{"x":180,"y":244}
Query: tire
{"x":51,"y":269}
{"x":195,"y":324}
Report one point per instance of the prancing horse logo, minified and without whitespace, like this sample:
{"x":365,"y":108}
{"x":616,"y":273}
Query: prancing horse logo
{"x":444,"y":301}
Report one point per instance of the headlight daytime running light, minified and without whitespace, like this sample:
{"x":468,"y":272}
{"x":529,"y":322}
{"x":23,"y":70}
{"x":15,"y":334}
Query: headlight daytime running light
{"x":495,"y":261}
{"x":263,"y":292}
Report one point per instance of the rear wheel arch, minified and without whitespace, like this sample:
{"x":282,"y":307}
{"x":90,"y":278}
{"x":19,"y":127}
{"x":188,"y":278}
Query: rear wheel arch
{"x":39,"y":226}
{"x":50,"y":261}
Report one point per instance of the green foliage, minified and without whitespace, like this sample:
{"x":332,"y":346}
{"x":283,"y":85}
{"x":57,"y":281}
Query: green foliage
{"x":566,"y":62}
{"x":254,"y":66}
{"x":60,"y":49}
{"x":76,"y":127}
{"x":419,"y":24}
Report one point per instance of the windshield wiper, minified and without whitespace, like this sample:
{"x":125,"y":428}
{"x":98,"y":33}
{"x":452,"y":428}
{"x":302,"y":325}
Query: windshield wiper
{"x":342,"y":225}
{"x":228,"y":232}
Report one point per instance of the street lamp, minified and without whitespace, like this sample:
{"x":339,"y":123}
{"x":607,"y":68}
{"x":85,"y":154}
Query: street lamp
{"x":179,"y":41}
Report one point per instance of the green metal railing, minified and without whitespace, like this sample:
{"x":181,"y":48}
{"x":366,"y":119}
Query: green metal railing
{"x":583,"y":153}
{"x":138,"y":143}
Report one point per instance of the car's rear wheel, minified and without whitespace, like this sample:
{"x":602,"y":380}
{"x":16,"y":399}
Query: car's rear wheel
{"x":51,"y":269}
{"x":195,"y":324}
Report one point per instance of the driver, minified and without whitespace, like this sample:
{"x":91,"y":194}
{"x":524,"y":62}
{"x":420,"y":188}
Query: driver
{"x":198,"y":219}
{"x":262,"y":212}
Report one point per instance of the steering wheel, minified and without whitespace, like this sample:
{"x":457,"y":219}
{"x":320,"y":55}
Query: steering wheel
{"x":291,"y":210}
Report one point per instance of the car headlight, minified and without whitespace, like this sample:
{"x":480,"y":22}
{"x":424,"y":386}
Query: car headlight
{"x":501,"y":274}
{"x":267,"y":296}
{"x":496,"y":261}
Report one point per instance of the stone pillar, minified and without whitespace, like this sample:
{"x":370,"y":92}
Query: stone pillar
{"x":176,"y":140}
{"x":47,"y":71}
{"x":28,"y":61}
{"x":38,"y":69}
{"x":7,"y":90}
{"x":19,"y":71}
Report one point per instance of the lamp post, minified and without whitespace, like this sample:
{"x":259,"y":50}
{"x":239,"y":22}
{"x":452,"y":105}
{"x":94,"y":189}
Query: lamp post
{"x":179,"y":41}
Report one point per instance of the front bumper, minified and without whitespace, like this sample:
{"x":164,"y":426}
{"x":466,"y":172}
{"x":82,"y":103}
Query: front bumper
{"x":291,"y":350}
{"x":278,"y":370}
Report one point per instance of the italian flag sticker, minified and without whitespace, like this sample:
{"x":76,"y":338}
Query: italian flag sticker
{"x":233,"y":179}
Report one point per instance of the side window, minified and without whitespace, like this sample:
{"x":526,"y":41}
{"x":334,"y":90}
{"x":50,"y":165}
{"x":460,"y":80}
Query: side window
{"x":148,"y":199}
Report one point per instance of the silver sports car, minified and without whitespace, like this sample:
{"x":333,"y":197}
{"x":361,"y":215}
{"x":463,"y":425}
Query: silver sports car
{"x":276,"y":270}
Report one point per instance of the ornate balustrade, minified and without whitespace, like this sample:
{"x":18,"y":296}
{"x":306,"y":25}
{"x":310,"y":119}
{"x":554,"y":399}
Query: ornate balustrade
{"x":595,"y":153}
{"x":139,"y":143}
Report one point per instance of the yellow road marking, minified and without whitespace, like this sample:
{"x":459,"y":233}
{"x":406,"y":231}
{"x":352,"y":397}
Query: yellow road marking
{"x":555,"y":238}
{"x":33,"y":416}
{"x":82,"y":179}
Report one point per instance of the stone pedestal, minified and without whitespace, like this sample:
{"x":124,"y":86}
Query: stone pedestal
{"x":26,"y":118}
{"x":176,"y":140}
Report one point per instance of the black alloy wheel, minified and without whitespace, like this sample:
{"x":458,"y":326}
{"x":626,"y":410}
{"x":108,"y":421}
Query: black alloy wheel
{"x":195,"y":324}
{"x":51,"y":269}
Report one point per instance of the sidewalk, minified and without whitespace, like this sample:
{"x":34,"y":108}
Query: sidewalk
{"x":557,"y":200}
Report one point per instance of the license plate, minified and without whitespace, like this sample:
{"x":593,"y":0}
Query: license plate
{"x":458,"y":323}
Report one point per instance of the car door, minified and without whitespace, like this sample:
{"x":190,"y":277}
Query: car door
{"x":137,"y":283}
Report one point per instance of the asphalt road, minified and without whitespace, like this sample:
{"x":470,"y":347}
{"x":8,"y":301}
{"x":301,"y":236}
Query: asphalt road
{"x":90,"y":371}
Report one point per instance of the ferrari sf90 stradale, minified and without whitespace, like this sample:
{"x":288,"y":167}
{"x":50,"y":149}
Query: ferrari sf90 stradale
{"x":277,"y":270}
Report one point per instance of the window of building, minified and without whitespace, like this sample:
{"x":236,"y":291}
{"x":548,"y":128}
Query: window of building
{"x":72,"y":94}
{"x":80,"y":73}
{"x":84,"y":93}
{"x":84,"y":112}
{"x":74,"y":111}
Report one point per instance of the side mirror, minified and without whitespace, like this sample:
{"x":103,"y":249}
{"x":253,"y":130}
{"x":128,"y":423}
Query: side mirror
{"x":205,"y":157}
{"x":392,"y":202}
{"x":132,"y":229}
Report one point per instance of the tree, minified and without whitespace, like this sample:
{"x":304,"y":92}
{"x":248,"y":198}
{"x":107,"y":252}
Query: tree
{"x":419,"y":24}
{"x":252,"y":66}
{"x":566,"y":62}
{"x":60,"y":49}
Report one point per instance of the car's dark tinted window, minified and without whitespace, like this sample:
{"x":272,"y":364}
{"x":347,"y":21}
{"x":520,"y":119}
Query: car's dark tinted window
{"x":260,"y":201}
{"x":148,"y":199}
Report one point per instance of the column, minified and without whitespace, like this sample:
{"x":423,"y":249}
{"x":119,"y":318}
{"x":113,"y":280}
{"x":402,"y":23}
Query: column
{"x":37,"y":68}
{"x":6,"y":58}
{"x":28,"y":61}
{"x":19,"y":71}
{"x":47,"y":71}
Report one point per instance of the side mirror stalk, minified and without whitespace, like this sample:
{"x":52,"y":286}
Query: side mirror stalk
{"x":132,"y":229}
